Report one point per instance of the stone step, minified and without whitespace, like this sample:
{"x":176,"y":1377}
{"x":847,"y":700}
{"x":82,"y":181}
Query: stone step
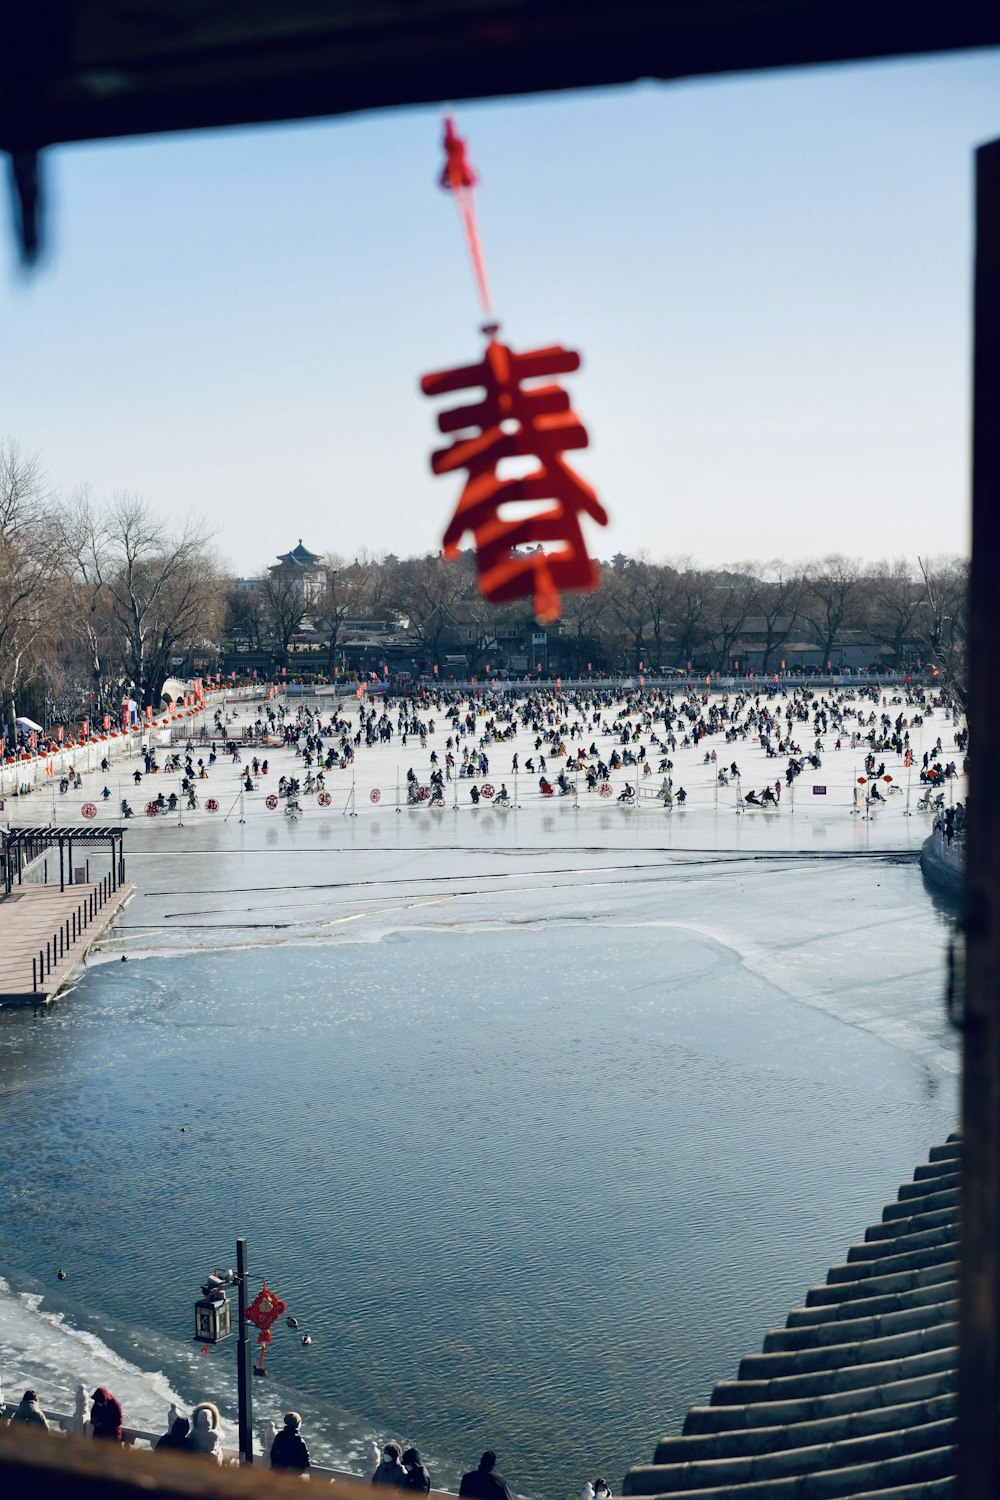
{"x":844,"y":1355}
{"x":928,"y":1218}
{"x":905,"y":1244}
{"x":927,"y":1489}
{"x":860,"y":1329}
{"x":869,"y":1398}
{"x":786,"y":1434}
{"x":825,"y":1458}
{"x":950,"y":1151}
{"x":856,"y":1307}
{"x":915,"y":1259}
{"x":824,"y":1382}
{"x":874,"y":1477}
{"x":936,"y":1176}
{"x":924,"y":1203}
{"x":879,"y":1286}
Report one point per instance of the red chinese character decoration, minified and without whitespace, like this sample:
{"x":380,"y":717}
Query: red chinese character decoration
{"x":513,"y":422}
{"x":264,"y":1310}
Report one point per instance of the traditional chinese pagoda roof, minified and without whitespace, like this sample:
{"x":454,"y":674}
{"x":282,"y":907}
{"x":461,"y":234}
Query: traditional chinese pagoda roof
{"x":299,"y":557}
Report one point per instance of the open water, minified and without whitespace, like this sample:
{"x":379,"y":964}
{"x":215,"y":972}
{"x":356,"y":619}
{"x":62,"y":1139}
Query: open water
{"x":534,"y":1158}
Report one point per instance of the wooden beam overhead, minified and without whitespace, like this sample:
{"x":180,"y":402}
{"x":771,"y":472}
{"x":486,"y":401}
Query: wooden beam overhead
{"x":77,"y":70}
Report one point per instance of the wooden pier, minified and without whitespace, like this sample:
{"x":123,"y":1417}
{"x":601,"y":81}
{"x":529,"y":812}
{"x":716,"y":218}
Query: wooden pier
{"x":46,"y":933}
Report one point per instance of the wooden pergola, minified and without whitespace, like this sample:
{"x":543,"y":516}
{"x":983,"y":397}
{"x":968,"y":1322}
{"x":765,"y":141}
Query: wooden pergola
{"x":78,"y":70}
{"x":22,"y":846}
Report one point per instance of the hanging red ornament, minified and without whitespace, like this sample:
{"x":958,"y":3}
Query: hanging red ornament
{"x":513,"y":422}
{"x":264,"y":1310}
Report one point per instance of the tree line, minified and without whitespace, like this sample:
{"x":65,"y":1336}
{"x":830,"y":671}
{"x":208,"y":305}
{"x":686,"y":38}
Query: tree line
{"x":99,"y":598}
{"x":657,"y":616}
{"x":96,"y":599}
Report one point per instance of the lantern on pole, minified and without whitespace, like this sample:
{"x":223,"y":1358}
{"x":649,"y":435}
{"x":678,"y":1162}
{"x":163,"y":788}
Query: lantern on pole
{"x":212,"y":1311}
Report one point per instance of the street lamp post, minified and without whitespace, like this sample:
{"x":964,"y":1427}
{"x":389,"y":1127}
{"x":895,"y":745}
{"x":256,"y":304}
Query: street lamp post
{"x":212,"y":1323}
{"x":243,"y":1383}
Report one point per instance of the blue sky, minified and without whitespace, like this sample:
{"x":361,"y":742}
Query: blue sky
{"x":769,"y":279}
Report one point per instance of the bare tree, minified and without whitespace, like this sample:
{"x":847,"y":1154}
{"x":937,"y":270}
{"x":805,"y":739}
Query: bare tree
{"x":627,"y":590}
{"x":430,"y":594}
{"x":344,"y":592}
{"x":829,"y":599}
{"x":585,"y":617}
{"x":892,"y":601}
{"x":689,"y":607}
{"x":285,"y":607}
{"x":29,"y":555}
{"x":246,"y":616}
{"x":158,"y":592}
{"x":776,"y":603}
{"x":944,"y":620}
{"x":89,"y":605}
{"x":730,"y":597}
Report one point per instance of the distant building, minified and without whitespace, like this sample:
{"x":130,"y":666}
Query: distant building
{"x":304,"y":568}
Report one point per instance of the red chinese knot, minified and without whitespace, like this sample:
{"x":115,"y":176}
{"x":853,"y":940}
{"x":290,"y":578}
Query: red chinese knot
{"x":264,"y":1310}
{"x":513,"y":422}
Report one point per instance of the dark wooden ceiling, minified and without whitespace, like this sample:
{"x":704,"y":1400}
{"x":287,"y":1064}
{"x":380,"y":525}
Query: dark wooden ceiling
{"x":73,"y":70}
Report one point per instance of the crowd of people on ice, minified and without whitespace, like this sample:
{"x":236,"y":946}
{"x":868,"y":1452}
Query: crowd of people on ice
{"x":576,"y":742}
{"x":645,"y":727}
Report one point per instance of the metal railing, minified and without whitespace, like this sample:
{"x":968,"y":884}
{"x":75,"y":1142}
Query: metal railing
{"x":69,"y":931}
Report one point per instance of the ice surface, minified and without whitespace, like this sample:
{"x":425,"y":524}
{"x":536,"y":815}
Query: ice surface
{"x":663,"y":1067}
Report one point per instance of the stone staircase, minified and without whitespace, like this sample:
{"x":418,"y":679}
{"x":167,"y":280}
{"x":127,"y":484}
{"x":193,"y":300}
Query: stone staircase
{"x":855,"y":1396}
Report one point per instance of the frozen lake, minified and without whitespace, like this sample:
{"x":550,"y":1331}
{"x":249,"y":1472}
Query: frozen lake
{"x":538,"y":1119}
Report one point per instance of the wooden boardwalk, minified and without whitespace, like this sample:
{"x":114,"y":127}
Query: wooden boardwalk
{"x":51,"y":930}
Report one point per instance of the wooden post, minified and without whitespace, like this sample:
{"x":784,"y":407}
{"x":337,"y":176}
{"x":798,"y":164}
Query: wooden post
{"x":244,"y":1382}
{"x":979,"y":1325}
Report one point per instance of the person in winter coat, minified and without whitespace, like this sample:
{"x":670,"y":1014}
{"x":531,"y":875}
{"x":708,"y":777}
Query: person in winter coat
{"x":390,"y":1471}
{"x":417,"y":1477}
{"x":178,"y":1438}
{"x":29,"y":1413}
{"x":106,"y":1416}
{"x":206,"y":1431}
{"x":288,"y":1451}
{"x":484,"y":1483}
